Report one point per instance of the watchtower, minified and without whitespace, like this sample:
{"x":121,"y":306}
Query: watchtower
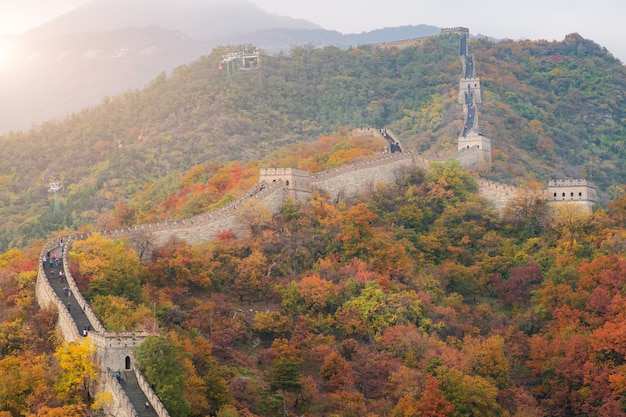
{"x":579,"y":192}
{"x":115,"y":349}
{"x":470,"y":86}
{"x":296,"y":181}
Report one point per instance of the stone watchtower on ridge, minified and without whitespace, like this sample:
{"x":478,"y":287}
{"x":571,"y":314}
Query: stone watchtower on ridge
{"x":296,"y":181}
{"x":578,"y":192}
{"x":471,"y":141}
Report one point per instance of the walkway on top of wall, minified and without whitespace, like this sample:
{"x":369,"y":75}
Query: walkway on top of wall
{"x":61,"y":288}
{"x":136,"y":396}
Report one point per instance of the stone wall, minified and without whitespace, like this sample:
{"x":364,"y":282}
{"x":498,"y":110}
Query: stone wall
{"x":498,"y":193}
{"x":359,"y":177}
{"x":115,"y":349}
{"x":121,"y":406}
{"x":474,"y":84}
{"x":97,"y":326}
{"x":406,"y":43}
{"x":46,"y":296}
{"x":157,"y":406}
{"x":200,"y":228}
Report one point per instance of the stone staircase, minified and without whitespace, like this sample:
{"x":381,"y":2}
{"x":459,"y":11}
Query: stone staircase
{"x":78,"y":321}
{"x":137,"y":398}
{"x":69,"y":299}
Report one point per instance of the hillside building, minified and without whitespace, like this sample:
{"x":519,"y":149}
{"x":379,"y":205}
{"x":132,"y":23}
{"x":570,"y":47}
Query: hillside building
{"x":578,"y":192}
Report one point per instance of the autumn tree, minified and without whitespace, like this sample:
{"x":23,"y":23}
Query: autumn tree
{"x":108,"y":266}
{"x":527,"y":212}
{"x":516,"y":289}
{"x":78,"y":371}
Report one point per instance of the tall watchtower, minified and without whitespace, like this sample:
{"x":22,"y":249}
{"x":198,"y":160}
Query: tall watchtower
{"x":473,"y":147}
{"x":477,"y":143}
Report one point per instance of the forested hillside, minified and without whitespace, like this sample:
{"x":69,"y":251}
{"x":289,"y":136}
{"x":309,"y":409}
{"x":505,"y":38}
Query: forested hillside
{"x":553,"y":109}
{"x":417,"y":300}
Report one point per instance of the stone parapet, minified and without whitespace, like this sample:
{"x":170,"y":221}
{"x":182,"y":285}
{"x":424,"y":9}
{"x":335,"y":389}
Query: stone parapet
{"x":121,"y":406}
{"x":45,"y":296}
{"x":97,"y":326}
{"x":152,"y":397}
{"x":459,"y":29}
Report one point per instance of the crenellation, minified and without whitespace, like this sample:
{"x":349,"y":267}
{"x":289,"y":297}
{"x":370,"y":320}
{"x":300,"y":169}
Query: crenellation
{"x":458,"y":29}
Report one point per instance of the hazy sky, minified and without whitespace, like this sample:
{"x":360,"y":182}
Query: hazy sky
{"x":598,"y":20}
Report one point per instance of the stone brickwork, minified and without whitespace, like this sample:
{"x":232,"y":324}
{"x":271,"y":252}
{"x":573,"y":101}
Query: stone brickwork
{"x":458,"y":30}
{"x":114,"y":350}
{"x":499,"y":194}
{"x":406,"y":43}
{"x":121,"y":404}
{"x":46,"y":296}
{"x":575,"y":192}
{"x":362,"y":177}
{"x":297,"y":182}
{"x":474,"y":85}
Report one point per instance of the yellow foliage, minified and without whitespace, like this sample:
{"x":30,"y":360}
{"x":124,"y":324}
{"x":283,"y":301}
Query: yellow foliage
{"x":78,"y":370}
{"x":103,"y":399}
{"x":10,"y":257}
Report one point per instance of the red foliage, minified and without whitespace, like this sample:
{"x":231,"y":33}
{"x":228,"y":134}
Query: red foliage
{"x":517,"y":288}
{"x":225,"y":235}
{"x":433,"y":402}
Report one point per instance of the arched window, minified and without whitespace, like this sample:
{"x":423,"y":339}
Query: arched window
{"x":287,"y":183}
{"x":127,"y":363}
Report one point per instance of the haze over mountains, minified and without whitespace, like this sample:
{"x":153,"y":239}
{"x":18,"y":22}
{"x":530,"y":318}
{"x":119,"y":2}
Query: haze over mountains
{"x":107,"y":47}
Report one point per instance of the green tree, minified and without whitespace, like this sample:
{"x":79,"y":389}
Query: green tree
{"x":450,"y":176}
{"x":161,"y":361}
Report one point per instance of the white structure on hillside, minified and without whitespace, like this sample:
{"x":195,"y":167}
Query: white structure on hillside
{"x":579,"y":192}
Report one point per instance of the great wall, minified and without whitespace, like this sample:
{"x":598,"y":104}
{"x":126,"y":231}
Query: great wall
{"x":114,"y":351}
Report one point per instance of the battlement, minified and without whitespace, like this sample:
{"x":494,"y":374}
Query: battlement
{"x":572,"y":190}
{"x":459,"y":30}
{"x":570,"y":183}
{"x":405,"y":43}
{"x":296,"y":181}
{"x":282,"y":172}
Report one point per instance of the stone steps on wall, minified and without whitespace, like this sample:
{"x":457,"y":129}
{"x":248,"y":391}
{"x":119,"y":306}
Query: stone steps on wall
{"x":76,"y":310}
{"x":136,"y":396}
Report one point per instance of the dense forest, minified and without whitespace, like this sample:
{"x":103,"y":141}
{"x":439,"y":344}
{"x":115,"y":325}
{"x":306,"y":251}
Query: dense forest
{"x":416,"y":300}
{"x":553,"y":110}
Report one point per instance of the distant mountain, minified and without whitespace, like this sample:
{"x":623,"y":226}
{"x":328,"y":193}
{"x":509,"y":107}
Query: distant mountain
{"x":107,"y":47}
{"x":199,"y":19}
{"x":273,"y":40}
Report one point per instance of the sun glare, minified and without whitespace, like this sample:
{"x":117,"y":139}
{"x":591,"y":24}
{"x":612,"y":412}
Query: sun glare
{"x":6,"y":52}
